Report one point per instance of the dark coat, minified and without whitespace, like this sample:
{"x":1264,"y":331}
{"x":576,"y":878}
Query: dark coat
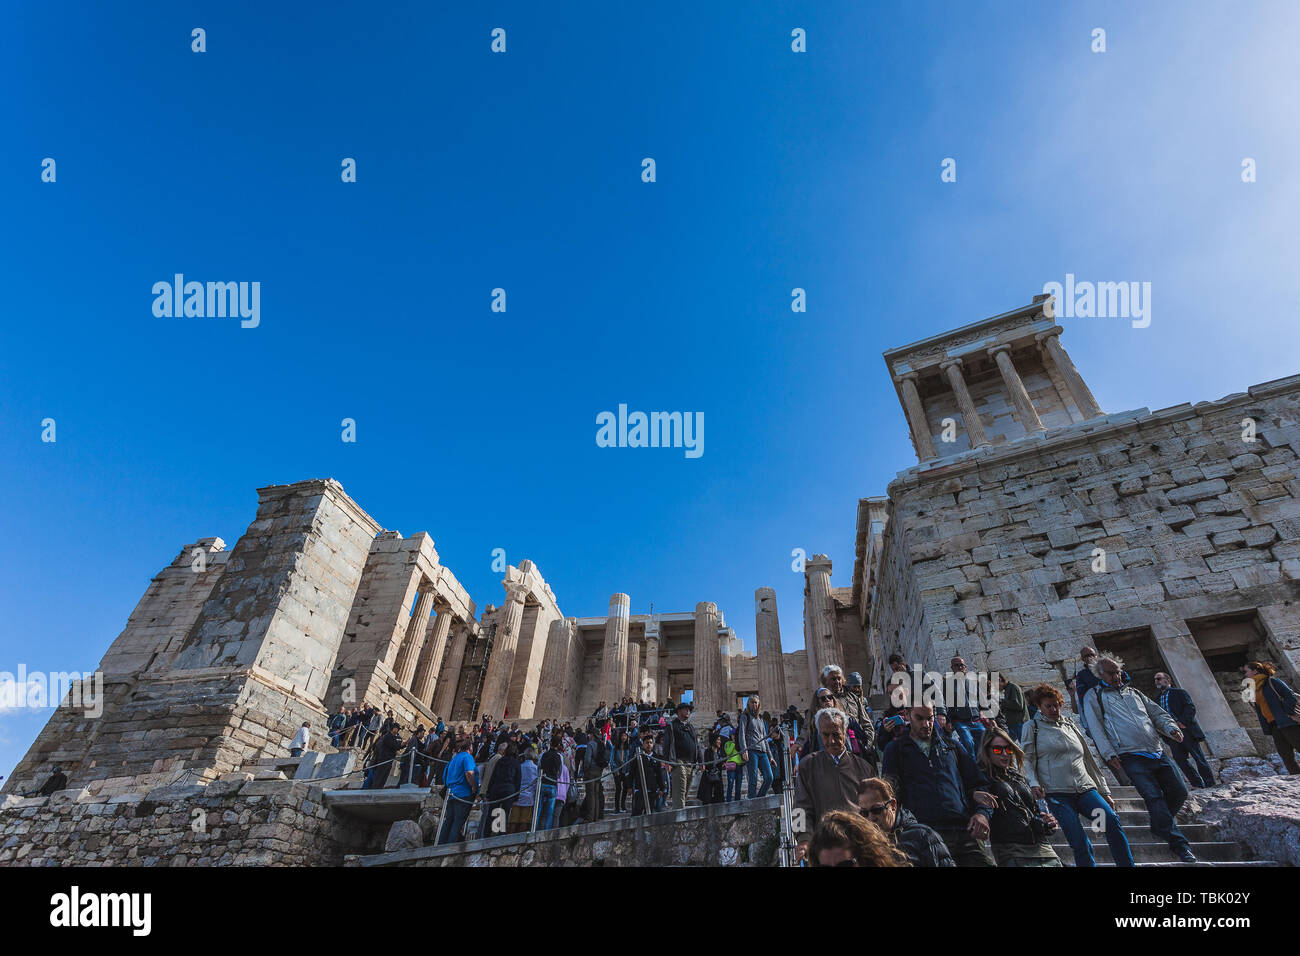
{"x":685,"y":750}
{"x":937,"y":789}
{"x":922,"y":845}
{"x":506,"y":778}
{"x":1016,"y":819}
{"x":1281,"y":701}
{"x":1014,"y":708}
{"x":1182,"y":709}
{"x":655,"y":778}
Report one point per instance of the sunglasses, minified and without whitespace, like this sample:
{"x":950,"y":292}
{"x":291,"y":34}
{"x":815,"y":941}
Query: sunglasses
{"x":1001,"y":750}
{"x":825,"y":699}
{"x":878,"y":808}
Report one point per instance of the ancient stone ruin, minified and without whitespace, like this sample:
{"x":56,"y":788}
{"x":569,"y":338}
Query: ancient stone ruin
{"x":1034,"y":523}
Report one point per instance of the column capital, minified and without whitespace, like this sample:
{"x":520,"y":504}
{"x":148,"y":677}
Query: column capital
{"x":818,"y":562}
{"x":1042,"y":337}
{"x":995,"y":350}
{"x":950,"y":363}
{"x":516,"y":591}
{"x":911,"y":375}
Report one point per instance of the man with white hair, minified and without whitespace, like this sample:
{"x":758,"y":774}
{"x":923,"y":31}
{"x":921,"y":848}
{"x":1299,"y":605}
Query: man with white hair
{"x":828,"y":779}
{"x":1126,"y":725}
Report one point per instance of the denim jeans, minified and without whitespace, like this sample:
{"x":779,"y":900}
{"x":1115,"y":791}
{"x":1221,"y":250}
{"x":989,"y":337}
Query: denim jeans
{"x":1162,"y":791}
{"x":1068,"y":807}
{"x":759,"y":763}
{"x":969,"y":733}
{"x":546,"y":806}
{"x":733,"y":782}
{"x":454,"y":815}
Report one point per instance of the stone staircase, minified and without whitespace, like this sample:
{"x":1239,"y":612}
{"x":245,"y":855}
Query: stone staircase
{"x":1147,"y":849}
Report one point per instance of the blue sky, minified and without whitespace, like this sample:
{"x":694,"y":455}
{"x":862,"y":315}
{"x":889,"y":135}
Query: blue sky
{"x":522,"y":171}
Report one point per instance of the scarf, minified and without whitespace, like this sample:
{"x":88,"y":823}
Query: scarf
{"x":1260,"y":680}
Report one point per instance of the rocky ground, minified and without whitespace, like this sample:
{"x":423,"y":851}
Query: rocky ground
{"x":1256,"y":803}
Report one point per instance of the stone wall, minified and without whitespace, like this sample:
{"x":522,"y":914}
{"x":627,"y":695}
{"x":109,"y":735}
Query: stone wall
{"x":234,"y":682}
{"x":715,"y":835}
{"x":992,"y":555}
{"x":227,"y":823}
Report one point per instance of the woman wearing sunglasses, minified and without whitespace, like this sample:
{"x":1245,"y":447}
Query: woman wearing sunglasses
{"x":849,"y":839}
{"x":922,"y":845}
{"x":1019,"y":831}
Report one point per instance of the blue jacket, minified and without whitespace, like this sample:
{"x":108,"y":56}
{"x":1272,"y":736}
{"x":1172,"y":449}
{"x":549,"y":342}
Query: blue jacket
{"x":1183,"y":709}
{"x":1281,"y":701}
{"x":937,"y":789}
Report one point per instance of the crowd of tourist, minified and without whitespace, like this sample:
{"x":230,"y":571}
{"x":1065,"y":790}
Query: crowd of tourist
{"x":929,"y":782}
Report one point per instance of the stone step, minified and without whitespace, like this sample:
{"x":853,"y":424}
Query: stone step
{"x":1140,"y":832}
{"x":1210,"y":852}
{"x":1069,"y":861}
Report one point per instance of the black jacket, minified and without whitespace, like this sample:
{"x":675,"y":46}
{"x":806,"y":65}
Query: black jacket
{"x":550,"y":766}
{"x":655,"y":777}
{"x":388,"y":747}
{"x":922,"y":845}
{"x":1016,"y":819}
{"x":1182,"y":709}
{"x":506,"y":778}
{"x":680,"y":742}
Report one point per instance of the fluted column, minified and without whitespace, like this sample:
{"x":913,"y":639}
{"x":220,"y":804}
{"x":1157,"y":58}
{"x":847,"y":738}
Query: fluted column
{"x":555,"y":669}
{"x":974,"y":427}
{"x":444,"y":703}
{"x":915,"y":413}
{"x":1025,"y":411}
{"x":426,"y":671}
{"x":1078,"y":388}
{"x":771,"y":665}
{"x":613,"y":665}
{"x":708,"y":662}
{"x":414,"y":640}
{"x":633,"y":681}
{"x":819,"y":609}
{"x":496,"y":684}
{"x":650,"y":686}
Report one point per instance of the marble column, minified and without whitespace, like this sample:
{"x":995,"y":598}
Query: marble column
{"x":1074,"y":382}
{"x":651,"y":685}
{"x":1026,"y":414}
{"x":771,"y":665}
{"x":708,"y":663}
{"x":501,"y":665}
{"x":969,"y":415}
{"x":412,"y":644}
{"x":916,"y":421}
{"x":819,"y":611}
{"x":633,"y":681}
{"x":613,"y":665}
{"x":555,"y":669}
{"x":426,"y":671}
{"x":444,"y":702}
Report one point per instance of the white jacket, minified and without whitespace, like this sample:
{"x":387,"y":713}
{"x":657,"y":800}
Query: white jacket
{"x":1058,"y":759}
